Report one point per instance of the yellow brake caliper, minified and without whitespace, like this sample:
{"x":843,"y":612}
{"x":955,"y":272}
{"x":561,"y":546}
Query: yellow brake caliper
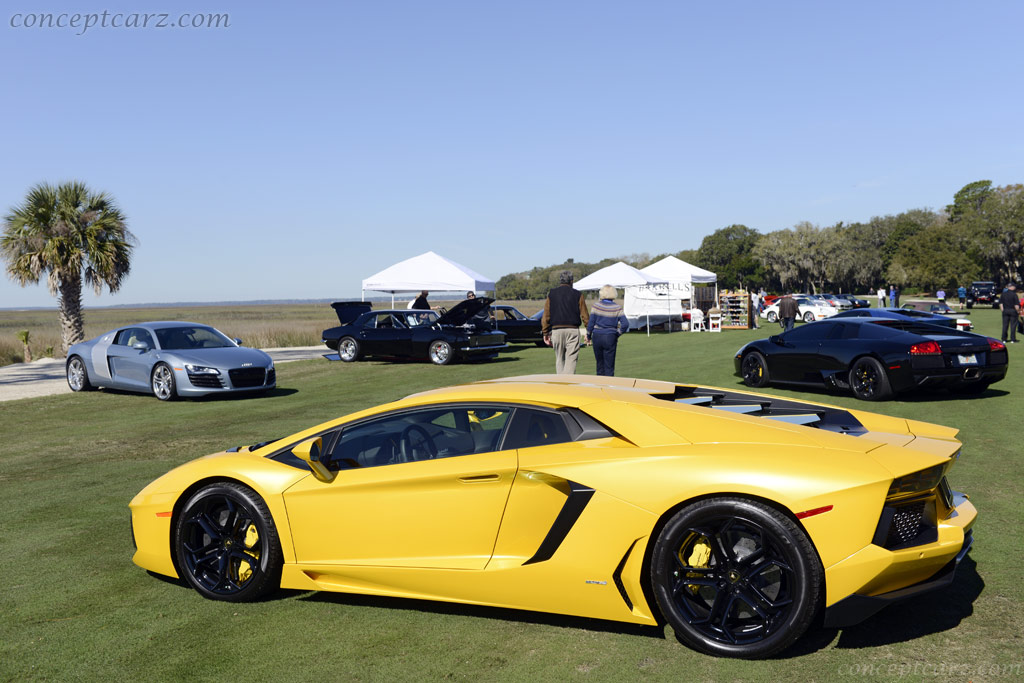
{"x":700,"y":558}
{"x":252,"y":537}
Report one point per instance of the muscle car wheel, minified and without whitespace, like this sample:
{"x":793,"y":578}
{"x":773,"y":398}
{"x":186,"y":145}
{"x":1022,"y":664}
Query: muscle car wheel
{"x":772,"y":317}
{"x":226,"y":544}
{"x":808,"y":317}
{"x":78,"y":377}
{"x":869,"y":381}
{"x":440,"y":352}
{"x":755,"y":370}
{"x":348,"y":349}
{"x":162,"y":382}
{"x":736,"y":578}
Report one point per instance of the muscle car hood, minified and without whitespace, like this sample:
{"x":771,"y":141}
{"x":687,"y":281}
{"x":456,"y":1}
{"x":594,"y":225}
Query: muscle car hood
{"x":463,"y":311}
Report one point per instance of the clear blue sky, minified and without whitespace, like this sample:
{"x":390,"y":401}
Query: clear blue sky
{"x":308,"y":146}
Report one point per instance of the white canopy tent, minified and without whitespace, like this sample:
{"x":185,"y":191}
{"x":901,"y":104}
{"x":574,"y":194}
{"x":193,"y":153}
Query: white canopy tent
{"x":663,"y":302}
{"x":429,"y":271}
{"x":617,"y":275}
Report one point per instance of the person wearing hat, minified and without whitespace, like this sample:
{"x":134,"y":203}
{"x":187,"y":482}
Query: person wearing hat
{"x":607,"y":324}
{"x":564,"y":313}
{"x":1009,"y":304}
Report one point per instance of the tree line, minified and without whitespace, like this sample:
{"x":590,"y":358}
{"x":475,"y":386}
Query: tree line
{"x":979,"y":236}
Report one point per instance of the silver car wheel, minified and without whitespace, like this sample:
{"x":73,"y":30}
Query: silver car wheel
{"x":348,"y":349}
{"x":76,"y":374}
{"x":440,"y":352}
{"x":163,"y":383}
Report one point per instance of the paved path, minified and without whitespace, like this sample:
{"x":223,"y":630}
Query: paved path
{"x":45,"y":377}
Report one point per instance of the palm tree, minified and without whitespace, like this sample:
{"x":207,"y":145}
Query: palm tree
{"x":67,"y":233}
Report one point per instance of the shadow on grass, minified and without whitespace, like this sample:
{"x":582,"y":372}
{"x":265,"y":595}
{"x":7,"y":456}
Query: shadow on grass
{"x":279,"y":392}
{"x":919,"y":616}
{"x":918,"y":396}
{"x":478,"y":611}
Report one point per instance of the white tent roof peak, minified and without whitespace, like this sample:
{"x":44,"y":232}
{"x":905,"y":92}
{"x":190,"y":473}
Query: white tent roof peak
{"x":428,"y":271}
{"x":672,"y":269}
{"x":617,"y":275}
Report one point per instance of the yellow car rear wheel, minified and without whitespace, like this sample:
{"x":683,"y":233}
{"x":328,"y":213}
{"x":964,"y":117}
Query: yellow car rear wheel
{"x":736,"y":578}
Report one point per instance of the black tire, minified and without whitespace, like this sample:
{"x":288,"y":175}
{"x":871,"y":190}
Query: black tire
{"x":808,"y":317}
{"x":869,"y":381}
{"x":440,"y":352}
{"x":755,"y":369}
{"x":77,"y":375}
{"x":161,"y":382}
{"x":348,"y":349}
{"x":226,"y":544}
{"x":772,"y":317}
{"x":970,"y":304}
{"x":736,"y":578}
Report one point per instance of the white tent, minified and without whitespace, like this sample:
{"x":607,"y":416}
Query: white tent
{"x":430,"y":272}
{"x":617,"y":275}
{"x":659,"y":303}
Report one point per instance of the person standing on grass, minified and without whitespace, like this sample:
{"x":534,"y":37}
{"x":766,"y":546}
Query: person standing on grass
{"x":789,"y":309}
{"x":607,"y":324}
{"x":941,"y":296}
{"x":564,"y":313}
{"x":961,"y":293}
{"x":1010,"y":306}
{"x":420,"y":303}
{"x":881,"y":297}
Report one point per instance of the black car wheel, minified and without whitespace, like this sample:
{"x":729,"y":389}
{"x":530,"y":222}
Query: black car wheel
{"x":736,"y":578}
{"x":772,"y":316}
{"x":348,"y":349}
{"x":755,"y":369}
{"x":78,"y":377}
{"x":808,"y":317}
{"x":869,"y":381}
{"x":226,"y":544}
{"x":162,"y":382}
{"x":440,"y":352}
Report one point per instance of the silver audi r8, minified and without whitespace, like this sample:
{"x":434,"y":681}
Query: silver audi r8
{"x":169,"y":359}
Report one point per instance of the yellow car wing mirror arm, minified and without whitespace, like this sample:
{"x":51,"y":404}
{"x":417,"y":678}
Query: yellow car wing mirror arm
{"x":309,"y":452}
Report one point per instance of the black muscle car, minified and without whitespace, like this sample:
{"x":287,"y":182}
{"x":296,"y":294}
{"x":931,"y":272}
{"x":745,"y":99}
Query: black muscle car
{"x":874,"y":357}
{"x":412,"y":333}
{"x":518,"y":328}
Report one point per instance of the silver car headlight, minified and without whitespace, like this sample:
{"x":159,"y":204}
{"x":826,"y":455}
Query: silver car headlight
{"x":200,"y":370}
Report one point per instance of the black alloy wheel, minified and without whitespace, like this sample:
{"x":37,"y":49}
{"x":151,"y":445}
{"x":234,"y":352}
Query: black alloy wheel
{"x":736,"y":578}
{"x":869,"y":381}
{"x":755,"y":369}
{"x":226,"y":544}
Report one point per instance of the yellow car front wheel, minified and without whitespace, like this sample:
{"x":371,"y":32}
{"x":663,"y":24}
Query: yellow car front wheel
{"x":736,"y":578}
{"x":226,"y":543}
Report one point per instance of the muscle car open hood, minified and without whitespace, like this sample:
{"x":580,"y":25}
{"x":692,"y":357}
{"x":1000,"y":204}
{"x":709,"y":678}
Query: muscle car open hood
{"x":463,"y":311}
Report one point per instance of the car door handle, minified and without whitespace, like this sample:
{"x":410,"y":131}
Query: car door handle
{"x":480,"y":478}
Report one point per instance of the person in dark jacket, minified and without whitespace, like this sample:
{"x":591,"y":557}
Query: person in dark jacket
{"x":564,"y":313}
{"x":607,"y":324}
{"x":421,"y":304}
{"x":1010,"y":306}
{"x":789,"y":309}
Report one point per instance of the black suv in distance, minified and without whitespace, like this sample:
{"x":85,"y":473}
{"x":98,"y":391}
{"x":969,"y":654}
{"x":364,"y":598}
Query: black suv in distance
{"x":983,"y":293}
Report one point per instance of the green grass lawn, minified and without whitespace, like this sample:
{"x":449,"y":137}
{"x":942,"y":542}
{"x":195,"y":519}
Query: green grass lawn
{"x":74,"y":607}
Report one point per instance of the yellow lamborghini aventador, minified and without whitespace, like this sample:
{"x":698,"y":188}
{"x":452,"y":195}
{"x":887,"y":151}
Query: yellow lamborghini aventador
{"x":733,"y":516}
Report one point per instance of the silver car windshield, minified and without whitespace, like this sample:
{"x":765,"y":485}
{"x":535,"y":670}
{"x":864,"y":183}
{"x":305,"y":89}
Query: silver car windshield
{"x":189,"y":337}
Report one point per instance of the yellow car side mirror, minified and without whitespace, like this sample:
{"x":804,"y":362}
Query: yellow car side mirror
{"x":309,"y":452}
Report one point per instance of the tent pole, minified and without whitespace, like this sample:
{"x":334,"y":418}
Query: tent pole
{"x":392,"y":299}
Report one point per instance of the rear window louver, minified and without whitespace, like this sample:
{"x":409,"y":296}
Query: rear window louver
{"x":790,"y":412}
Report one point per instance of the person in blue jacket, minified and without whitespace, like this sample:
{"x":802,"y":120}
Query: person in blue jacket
{"x":607,"y":323}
